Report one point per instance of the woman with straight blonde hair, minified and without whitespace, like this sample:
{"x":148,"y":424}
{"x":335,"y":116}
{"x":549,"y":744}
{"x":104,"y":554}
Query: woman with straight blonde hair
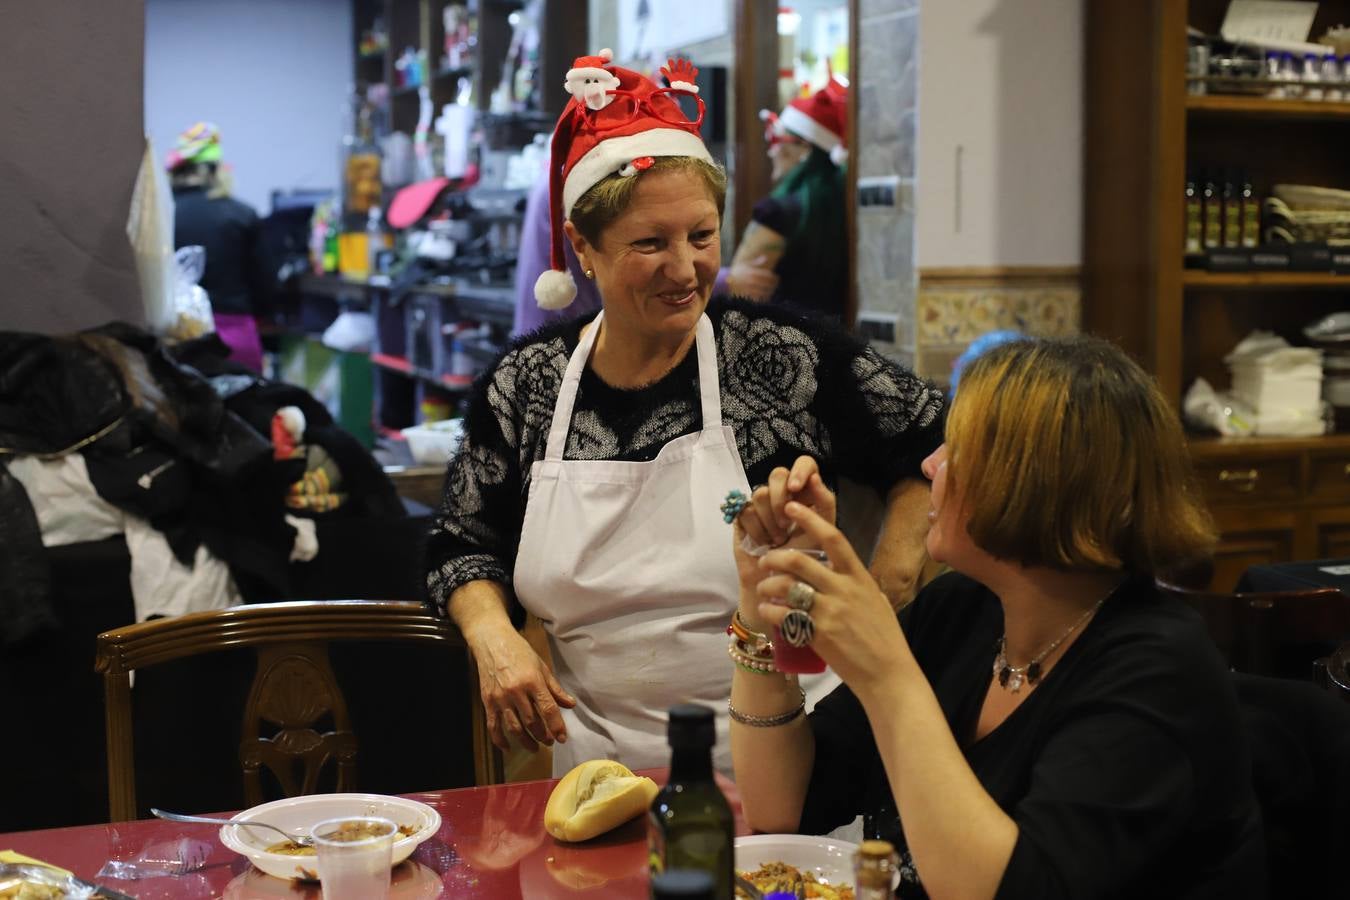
{"x":1042,"y":722}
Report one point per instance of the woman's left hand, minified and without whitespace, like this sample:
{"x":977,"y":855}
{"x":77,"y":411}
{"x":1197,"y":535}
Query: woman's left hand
{"x":856,"y":631}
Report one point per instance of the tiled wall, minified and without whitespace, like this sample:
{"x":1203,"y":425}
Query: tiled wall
{"x":956,"y":306}
{"x":887,"y":64}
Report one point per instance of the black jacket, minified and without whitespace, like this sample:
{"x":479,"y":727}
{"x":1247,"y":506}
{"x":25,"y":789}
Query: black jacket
{"x":235,"y":278}
{"x":190,"y":453}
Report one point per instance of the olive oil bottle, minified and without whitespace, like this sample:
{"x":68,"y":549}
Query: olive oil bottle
{"x":690,"y":825}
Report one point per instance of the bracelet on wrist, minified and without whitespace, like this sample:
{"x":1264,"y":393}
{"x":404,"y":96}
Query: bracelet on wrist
{"x":768,"y":721}
{"x":754,"y":639}
{"x":760,"y":664}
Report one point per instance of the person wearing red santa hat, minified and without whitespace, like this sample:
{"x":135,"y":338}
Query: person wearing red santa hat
{"x":799,"y":230}
{"x":599,"y":450}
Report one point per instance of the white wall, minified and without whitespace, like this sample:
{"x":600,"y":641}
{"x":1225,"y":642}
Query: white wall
{"x":272,"y":74}
{"x":1002,"y":81}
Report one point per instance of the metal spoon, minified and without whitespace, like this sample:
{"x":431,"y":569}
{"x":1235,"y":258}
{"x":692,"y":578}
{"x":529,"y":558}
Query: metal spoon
{"x":303,"y":840}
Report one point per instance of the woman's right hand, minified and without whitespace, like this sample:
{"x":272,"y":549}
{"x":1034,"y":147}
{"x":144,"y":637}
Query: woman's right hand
{"x":520,"y":694}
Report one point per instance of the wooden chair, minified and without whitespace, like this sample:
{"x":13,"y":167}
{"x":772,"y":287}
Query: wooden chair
{"x":1275,"y":633}
{"x":293,"y":686}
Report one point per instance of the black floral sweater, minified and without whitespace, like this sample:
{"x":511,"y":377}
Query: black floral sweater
{"x":790,"y":385}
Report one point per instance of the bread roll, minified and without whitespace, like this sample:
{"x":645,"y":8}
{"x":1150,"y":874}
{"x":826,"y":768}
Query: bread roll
{"x":594,"y":797}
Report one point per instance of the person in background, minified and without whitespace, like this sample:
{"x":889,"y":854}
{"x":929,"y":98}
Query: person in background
{"x":1043,"y":722}
{"x":533,"y":259}
{"x":799,"y":231}
{"x":598,"y":451}
{"x":236,"y":277}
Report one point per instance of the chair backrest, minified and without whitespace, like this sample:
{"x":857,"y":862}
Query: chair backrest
{"x":1277,"y":633}
{"x":294,"y":686}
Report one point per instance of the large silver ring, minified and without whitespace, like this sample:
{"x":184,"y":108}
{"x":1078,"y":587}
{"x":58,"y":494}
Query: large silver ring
{"x":797,"y":628}
{"x":801,"y":596}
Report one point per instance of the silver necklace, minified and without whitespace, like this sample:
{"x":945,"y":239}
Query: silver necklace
{"x":1011,"y":678}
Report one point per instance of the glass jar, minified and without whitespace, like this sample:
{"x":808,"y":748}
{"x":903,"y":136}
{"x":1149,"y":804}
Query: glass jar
{"x":875,"y":866}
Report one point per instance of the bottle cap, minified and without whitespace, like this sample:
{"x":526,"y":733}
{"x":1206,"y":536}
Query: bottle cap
{"x":685,"y":884}
{"x":876,"y":849}
{"x":691,"y":725}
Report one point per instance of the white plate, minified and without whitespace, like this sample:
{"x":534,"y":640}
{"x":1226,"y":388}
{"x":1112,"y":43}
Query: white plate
{"x":829,"y":860}
{"x":297,"y":815}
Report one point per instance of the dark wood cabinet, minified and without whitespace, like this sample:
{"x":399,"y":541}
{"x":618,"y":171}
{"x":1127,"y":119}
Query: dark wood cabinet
{"x":1274,"y":499}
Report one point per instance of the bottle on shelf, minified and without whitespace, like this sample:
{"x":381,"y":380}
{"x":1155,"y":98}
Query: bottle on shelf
{"x":1213,"y":214}
{"x":1251,"y":213}
{"x":683,"y":884}
{"x":1331,"y":79}
{"x":1194,"y":217}
{"x":1274,"y":76}
{"x":1290,"y":71}
{"x":690,"y":825}
{"x":376,"y":242}
{"x":874,"y":866}
{"x":332,"y":226}
{"x":1232,"y":214}
{"x":1311,"y":77}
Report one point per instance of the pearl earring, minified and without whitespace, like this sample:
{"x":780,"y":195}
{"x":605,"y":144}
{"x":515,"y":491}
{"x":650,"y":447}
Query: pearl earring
{"x":590,"y":273}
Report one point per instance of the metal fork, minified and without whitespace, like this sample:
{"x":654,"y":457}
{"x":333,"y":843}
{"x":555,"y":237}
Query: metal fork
{"x":303,"y":840}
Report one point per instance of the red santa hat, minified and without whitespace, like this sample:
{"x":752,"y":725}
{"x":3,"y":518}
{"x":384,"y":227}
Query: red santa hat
{"x":821,"y":119}
{"x":637,"y":123}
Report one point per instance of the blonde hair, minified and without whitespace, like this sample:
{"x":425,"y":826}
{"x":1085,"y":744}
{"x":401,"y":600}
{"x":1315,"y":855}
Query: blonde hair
{"x":609,"y":197}
{"x":1068,"y":456}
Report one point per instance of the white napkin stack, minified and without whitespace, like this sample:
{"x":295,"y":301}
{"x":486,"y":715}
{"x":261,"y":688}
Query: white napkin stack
{"x":1281,"y":384}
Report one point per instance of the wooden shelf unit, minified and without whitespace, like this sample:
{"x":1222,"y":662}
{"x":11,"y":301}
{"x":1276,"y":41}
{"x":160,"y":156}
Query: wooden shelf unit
{"x":1228,"y":105}
{"x":1266,"y":281}
{"x":1143,"y":134}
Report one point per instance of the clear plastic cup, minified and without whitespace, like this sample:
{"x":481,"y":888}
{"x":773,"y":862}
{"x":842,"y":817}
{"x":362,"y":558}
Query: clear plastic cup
{"x":355,"y":854}
{"x":798,"y":660}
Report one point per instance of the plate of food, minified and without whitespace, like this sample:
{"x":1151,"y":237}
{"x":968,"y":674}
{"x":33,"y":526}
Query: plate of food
{"x":808,"y":865}
{"x":285,"y":859}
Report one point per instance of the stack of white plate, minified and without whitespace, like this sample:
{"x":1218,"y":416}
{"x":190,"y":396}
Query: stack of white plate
{"x":1331,"y":335}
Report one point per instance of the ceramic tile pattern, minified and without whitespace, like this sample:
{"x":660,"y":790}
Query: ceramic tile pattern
{"x":951,"y":316}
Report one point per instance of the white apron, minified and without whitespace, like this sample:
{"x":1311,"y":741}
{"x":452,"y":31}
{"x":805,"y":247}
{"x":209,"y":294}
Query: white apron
{"x":628,"y":565}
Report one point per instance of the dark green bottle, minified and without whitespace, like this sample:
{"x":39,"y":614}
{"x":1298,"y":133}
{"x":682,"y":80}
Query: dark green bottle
{"x":690,"y":825}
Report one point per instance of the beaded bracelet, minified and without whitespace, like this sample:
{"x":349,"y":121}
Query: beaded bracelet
{"x":767,"y":721}
{"x":750,"y":662}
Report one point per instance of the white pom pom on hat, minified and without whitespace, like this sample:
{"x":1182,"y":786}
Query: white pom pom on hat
{"x":554,"y":289}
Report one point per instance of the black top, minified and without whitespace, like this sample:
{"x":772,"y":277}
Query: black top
{"x":235,"y":277}
{"x":1126,"y":770}
{"x":816,"y":282}
{"x":790,"y":385}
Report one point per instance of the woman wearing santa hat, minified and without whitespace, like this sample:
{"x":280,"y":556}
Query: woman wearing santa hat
{"x":799,"y":231}
{"x":598,"y":450}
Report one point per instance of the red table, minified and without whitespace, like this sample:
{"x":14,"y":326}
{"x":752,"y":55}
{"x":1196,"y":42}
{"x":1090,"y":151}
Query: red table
{"x":492,"y":844}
